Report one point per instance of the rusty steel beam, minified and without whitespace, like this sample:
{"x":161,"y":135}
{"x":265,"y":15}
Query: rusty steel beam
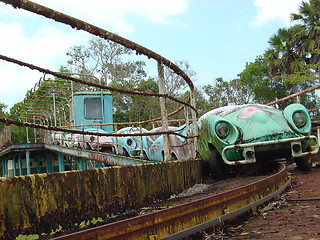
{"x":293,"y":95}
{"x":108,"y":158}
{"x":176,"y":222}
{"x":53,"y":91}
{"x":21,"y":148}
{"x":59,"y":75}
{"x":8,"y":121}
{"x":81,"y":25}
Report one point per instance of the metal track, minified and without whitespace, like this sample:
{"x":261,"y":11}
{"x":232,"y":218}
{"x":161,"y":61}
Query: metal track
{"x":186,"y":219}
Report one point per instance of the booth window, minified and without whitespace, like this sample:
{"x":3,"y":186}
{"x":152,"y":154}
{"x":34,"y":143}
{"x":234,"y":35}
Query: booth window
{"x":92,"y":108}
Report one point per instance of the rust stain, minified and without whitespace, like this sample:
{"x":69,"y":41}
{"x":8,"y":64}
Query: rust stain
{"x":41,"y":203}
{"x":178,"y":218}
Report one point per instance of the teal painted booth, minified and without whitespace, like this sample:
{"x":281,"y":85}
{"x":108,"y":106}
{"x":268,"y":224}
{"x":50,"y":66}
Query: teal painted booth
{"x":93,"y":108}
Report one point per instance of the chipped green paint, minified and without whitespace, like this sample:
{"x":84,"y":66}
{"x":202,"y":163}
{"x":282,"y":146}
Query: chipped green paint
{"x":251,"y":123}
{"x":42,"y":202}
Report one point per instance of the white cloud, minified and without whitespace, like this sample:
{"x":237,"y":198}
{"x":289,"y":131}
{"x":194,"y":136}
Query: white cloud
{"x":111,"y":14}
{"x":42,"y":42}
{"x":46,"y":48}
{"x":275,"y":10}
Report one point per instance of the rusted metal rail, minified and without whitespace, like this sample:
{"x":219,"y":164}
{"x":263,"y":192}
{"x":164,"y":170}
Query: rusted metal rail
{"x":81,"y":25}
{"x":186,"y":219}
{"x":77,"y":80}
{"x":295,"y":94}
{"x":8,"y":121}
{"x":103,"y":157}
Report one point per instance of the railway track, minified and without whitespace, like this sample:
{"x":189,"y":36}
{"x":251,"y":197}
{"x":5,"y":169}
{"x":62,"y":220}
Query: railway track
{"x":188,"y":218}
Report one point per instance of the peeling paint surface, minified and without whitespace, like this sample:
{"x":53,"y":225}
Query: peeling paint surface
{"x":251,"y":123}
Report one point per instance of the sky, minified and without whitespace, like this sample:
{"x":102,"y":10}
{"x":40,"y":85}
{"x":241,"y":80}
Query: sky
{"x":216,"y":37}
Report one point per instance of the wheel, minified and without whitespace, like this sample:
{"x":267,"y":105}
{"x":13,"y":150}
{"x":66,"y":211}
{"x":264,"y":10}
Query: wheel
{"x":217,"y":168}
{"x":304,"y":163}
{"x":173,"y":157}
{"x":125,"y":153}
{"x":87,"y":146}
{"x":145,"y":157}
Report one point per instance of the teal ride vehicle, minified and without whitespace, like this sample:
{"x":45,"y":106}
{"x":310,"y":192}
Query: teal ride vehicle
{"x":151,"y":145}
{"x":255,"y":134}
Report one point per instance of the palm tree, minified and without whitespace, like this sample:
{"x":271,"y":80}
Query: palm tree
{"x":282,"y":56}
{"x":309,"y":35}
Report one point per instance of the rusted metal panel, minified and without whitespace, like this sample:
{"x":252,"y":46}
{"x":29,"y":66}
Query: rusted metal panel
{"x":21,"y":148}
{"x":173,"y":220}
{"x":108,"y":158}
{"x":41,"y":203}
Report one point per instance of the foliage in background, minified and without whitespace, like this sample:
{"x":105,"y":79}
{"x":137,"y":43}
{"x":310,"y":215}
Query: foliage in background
{"x":3,"y":112}
{"x":103,"y":62}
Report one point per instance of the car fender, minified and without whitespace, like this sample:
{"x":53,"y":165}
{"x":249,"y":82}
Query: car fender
{"x":209,"y":139}
{"x":288,"y":113}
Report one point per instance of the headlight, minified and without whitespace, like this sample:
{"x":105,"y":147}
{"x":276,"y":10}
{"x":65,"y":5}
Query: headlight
{"x":129,"y":141}
{"x":222,"y":129}
{"x":92,"y":138}
{"x":299,"y":119}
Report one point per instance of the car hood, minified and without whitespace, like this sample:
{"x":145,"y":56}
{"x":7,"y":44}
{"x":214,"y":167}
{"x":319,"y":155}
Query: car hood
{"x":257,"y":124}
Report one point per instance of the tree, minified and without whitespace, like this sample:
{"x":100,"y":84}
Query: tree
{"x":174,"y":83}
{"x":261,"y":87}
{"x":223,"y":93}
{"x":3,"y":113}
{"x":309,"y":34}
{"x":282,"y":56}
{"x":48,"y":102}
{"x":292,"y":51}
{"x":102,"y":61}
{"x":131,"y":108}
{"x":176,"y":86}
{"x":202,"y":104}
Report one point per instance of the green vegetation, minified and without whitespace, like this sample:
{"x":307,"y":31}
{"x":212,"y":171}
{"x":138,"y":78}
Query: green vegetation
{"x":2,"y":113}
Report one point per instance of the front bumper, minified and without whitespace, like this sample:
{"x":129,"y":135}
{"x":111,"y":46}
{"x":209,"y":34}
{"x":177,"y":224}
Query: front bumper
{"x":249,"y":149}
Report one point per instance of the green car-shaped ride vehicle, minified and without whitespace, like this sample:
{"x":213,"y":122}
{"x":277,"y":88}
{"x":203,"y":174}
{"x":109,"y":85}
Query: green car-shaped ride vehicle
{"x":254,"y":133}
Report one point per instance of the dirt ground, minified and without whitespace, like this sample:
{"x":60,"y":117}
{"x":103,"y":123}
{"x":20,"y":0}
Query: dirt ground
{"x":294,"y":216}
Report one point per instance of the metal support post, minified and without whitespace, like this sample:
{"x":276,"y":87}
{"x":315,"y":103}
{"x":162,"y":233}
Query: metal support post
{"x":14,"y":158}
{"x":37,"y":157}
{"x":20,"y":164}
{"x":164,"y":115}
{"x":54,"y":109}
{"x":78,"y":165}
{"x":189,"y":140}
{"x":28,"y":163}
{"x":194,"y":123}
{"x":4,"y":168}
{"x":318,"y":131}
{"x":72,"y":167}
{"x":34,"y":131}
{"x":117,"y":140}
{"x":81,"y":164}
{"x":49,"y":168}
{"x":61,"y":162}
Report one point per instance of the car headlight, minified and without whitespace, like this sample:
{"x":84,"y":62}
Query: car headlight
{"x":92,"y":138}
{"x":129,"y":141}
{"x":299,"y":119}
{"x":222,"y":129}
